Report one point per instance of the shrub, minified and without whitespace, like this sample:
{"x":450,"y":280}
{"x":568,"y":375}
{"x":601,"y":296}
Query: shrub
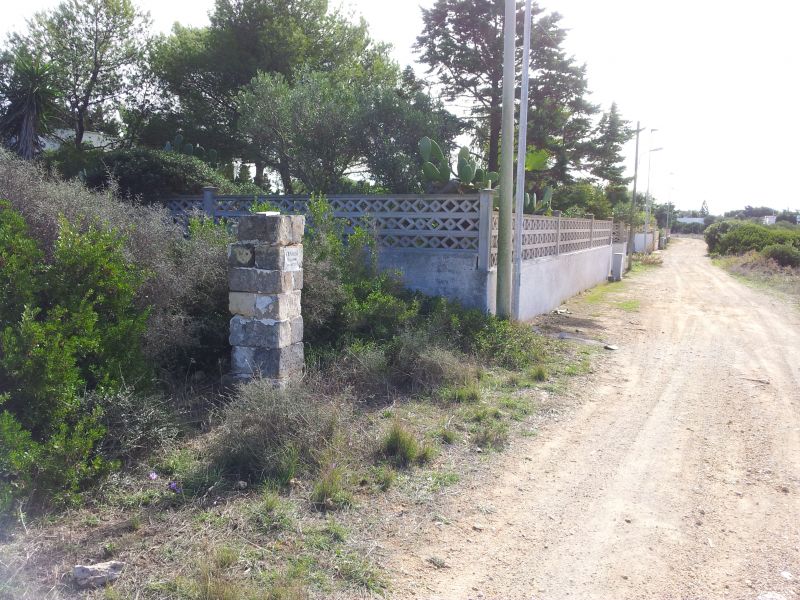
{"x":330,"y":491}
{"x":400,"y":446}
{"x":783,"y":254}
{"x":419,"y":365}
{"x":713,"y":234}
{"x":152,"y":175}
{"x":185,"y":286}
{"x":263,"y":427}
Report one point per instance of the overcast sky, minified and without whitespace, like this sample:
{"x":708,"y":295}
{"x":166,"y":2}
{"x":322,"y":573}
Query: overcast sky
{"x":718,"y":79}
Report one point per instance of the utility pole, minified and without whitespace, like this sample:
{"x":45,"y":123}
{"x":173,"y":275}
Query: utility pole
{"x":631,"y":231}
{"x":647,"y":199}
{"x":522,"y":148}
{"x":504,"y":245}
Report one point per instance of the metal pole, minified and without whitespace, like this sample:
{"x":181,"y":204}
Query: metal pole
{"x":647,"y":196}
{"x":504,"y":244}
{"x":631,"y":231}
{"x":522,"y":148}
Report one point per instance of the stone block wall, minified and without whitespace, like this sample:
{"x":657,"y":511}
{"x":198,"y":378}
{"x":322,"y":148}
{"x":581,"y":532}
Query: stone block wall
{"x":265,"y":277}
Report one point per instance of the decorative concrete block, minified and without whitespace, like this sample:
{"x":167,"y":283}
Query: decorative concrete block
{"x":279,"y":258}
{"x":275,"y":230}
{"x":279,"y":306}
{"x":241,"y":254}
{"x":265,"y":333}
{"x":277,"y":363}
{"x":264,"y":281}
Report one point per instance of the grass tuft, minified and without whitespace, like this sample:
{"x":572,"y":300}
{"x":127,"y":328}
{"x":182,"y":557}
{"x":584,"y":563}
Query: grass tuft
{"x":330,"y":491}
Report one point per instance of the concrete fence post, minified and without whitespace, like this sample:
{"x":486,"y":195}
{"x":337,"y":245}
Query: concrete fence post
{"x":486,"y":201}
{"x":209,"y":203}
{"x":591,"y":231}
{"x":557,"y":215}
{"x":265,"y":277}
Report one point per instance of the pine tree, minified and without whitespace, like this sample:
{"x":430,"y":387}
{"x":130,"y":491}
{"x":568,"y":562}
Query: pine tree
{"x":611,"y":135}
{"x":462,"y":43}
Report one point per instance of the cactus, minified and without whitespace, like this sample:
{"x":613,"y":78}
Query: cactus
{"x":437,"y":172}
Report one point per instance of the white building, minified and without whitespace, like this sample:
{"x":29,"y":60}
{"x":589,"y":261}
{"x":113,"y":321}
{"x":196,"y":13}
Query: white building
{"x":769,"y":220}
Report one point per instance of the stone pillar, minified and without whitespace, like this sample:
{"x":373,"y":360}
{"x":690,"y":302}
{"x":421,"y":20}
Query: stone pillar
{"x":265,"y":276}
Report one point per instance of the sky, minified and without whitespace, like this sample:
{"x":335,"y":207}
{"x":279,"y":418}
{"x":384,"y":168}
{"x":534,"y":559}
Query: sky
{"x":719,"y":80}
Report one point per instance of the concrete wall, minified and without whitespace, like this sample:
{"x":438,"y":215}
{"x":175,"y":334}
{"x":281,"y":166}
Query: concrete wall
{"x":454,"y":275}
{"x":547,"y":282}
{"x":638,"y":243}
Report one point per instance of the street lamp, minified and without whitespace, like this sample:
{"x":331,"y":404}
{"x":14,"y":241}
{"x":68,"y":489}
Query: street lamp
{"x":647,"y":193}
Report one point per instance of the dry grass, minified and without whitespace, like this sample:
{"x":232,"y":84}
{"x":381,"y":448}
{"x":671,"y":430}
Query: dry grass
{"x":763,"y":272}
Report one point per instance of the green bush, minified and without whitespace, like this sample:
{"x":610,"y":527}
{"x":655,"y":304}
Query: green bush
{"x":783,"y":254}
{"x":70,"y":326}
{"x":400,"y":446}
{"x":152,"y":175}
{"x":739,"y":237}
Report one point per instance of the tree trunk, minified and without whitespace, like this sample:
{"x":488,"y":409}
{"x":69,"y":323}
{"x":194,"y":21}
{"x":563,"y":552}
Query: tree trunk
{"x":80,"y":126}
{"x":286,"y":179}
{"x":495,"y":123}
{"x":259,"y":178}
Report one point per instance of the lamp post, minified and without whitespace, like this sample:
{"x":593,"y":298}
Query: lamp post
{"x":647,"y":193}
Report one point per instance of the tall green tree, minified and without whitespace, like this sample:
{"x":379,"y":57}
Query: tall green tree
{"x":312,"y":125}
{"x":205,"y":68}
{"x":613,"y":132}
{"x":95,"y":48}
{"x":399,"y":116}
{"x":462,"y":43}
{"x":28,"y":103}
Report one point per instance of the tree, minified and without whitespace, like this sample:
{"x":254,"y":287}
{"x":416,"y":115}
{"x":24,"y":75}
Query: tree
{"x":205,"y":68}
{"x":400,"y":115}
{"x":704,"y":209}
{"x":312,"y":127}
{"x":95,"y":47}
{"x":582,"y":198}
{"x":462,"y":42}
{"x":611,"y":135}
{"x":28,"y":103}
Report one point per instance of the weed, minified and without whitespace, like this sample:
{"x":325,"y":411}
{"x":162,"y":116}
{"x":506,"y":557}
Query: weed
{"x":490,"y":435}
{"x":629,"y":305}
{"x":400,"y":446}
{"x":326,"y":537}
{"x":359,"y":571}
{"x":329,"y":491}
{"x":384,"y":476}
{"x":441,"y":479}
{"x":538,"y":373}
{"x":447,"y":435}
{"x":272,"y":513}
{"x":519,"y":407}
{"x":465,"y":394}
{"x":225,"y":557}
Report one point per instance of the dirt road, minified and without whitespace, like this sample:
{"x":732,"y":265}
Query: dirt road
{"x":675,"y":476}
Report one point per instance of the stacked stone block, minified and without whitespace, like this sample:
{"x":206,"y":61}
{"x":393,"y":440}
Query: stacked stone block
{"x":265,"y":277}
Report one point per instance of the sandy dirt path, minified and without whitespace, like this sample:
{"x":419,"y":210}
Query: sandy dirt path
{"x":675,"y":476}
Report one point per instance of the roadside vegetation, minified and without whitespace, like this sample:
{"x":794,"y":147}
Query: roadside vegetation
{"x":116,"y":438}
{"x":766,"y":255}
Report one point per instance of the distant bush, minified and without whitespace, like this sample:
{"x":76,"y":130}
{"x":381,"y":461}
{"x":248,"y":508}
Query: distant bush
{"x":751,"y":236}
{"x":740,"y":237}
{"x":152,"y":175}
{"x":783,"y":254}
